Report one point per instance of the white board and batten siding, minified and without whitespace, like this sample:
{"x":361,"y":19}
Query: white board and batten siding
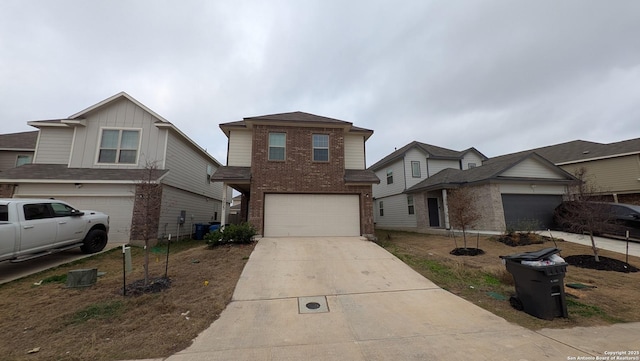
{"x":354,"y":152}
{"x":240,"y":147}
{"x":398,"y":186}
{"x":396,"y":212}
{"x":54,"y":145}
{"x":532,"y":168}
{"x":122,"y":114}
{"x":311,"y":215}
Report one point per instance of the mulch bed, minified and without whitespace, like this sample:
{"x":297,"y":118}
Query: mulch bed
{"x":466,"y":252}
{"x":154,"y":285}
{"x":522,"y":239}
{"x":605,"y":264}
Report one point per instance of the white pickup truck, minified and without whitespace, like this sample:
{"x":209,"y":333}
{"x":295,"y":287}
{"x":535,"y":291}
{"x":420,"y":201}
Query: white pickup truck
{"x":31,"y":228}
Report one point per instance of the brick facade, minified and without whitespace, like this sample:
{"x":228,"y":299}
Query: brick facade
{"x":146,"y":212}
{"x":6,"y":190}
{"x":298,"y":173}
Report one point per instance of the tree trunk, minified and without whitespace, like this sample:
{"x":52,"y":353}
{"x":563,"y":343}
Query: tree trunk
{"x":593,"y":246}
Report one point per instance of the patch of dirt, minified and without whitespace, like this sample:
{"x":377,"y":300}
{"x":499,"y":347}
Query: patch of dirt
{"x":604,"y":263}
{"x":484,"y":280}
{"x":99,"y":323}
{"x":153,"y":285}
{"x":466,"y":252}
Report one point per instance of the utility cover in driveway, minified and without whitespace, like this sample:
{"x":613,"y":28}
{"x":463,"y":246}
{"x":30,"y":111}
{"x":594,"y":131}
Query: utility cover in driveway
{"x":311,"y":215}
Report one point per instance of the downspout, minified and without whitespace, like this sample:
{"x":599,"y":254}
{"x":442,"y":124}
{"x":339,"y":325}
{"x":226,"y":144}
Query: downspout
{"x":445,"y":208}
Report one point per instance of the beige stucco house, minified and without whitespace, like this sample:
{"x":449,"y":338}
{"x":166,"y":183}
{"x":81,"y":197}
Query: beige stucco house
{"x":100,"y":157}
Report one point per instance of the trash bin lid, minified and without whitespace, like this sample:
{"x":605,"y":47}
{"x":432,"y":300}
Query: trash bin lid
{"x":533,"y":255}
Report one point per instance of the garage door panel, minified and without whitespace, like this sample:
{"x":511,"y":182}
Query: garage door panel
{"x":119,"y":209}
{"x":527,"y":210}
{"x":311,"y":215}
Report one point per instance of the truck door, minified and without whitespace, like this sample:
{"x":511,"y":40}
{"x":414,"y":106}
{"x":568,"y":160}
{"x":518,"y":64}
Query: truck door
{"x":38,"y":231}
{"x":70,"y":226}
{"x":7,"y":234}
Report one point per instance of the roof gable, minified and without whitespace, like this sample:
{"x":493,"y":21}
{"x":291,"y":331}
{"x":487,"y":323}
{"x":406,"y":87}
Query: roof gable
{"x":430,"y":151}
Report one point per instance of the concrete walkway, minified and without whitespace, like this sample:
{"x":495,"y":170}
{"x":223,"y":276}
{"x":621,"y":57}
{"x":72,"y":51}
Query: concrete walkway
{"x":349,"y":299}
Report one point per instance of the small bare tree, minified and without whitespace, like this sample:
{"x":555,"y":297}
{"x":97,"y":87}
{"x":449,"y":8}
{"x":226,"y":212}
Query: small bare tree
{"x":146,"y":210}
{"x":584,"y":211}
{"x":463,"y":213}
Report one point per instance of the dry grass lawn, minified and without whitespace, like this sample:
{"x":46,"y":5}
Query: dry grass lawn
{"x":98,"y":323}
{"x":482,"y":279}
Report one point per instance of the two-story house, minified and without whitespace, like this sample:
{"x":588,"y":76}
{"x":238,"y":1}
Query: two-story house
{"x":612,"y":169}
{"x":511,"y":192}
{"x":17,"y":149}
{"x":102,"y":157}
{"x":300,"y":174}
{"x":406,"y":167}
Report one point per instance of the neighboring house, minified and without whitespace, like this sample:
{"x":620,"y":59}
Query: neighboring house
{"x":100,"y":158}
{"x":613,"y":169}
{"x":300,"y":174}
{"x":406,"y":167}
{"x":17,"y":149}
{"x":514,"y":192}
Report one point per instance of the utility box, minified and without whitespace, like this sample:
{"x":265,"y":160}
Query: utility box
{"x":82,"y":278}
{"x":539,"y":283}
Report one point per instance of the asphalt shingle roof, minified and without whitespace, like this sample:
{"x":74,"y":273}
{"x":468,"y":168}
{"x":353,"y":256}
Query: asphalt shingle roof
{"x":23,"y":140}
{"x":63,"y":173}
{"x":360,"y":176}
{"x":433,"y":151}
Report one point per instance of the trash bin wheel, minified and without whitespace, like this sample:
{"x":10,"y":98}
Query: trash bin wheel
{"x":516,"y":303}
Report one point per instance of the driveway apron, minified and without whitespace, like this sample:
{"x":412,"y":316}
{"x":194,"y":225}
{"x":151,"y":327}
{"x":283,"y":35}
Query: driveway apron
{"x":349,"y":299}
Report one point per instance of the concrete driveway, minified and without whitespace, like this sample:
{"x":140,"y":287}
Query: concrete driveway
{"x":349,"y":299}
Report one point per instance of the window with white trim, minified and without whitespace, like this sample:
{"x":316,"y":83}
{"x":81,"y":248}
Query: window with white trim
{"x":381,"y":208}
{"x":277,"y":146}
{"x":415,"y":169}
{"x":119,"y":146}
{"x":320,"y":147}
{"x":389,"y":176}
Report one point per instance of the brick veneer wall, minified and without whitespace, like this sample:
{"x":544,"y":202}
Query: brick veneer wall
{"x":146,"y":212}
{"x":6,"y":190}
{"x":298,"y":173}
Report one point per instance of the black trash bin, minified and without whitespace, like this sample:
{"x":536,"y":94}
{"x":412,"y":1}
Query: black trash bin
{"x":539,"y":288}
{"x":201,"y":230}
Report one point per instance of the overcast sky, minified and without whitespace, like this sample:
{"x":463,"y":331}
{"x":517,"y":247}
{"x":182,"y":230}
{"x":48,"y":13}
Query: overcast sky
{"x":500,"y":76}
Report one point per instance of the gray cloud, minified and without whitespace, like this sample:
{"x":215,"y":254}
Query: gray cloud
{"x":500,"y":76}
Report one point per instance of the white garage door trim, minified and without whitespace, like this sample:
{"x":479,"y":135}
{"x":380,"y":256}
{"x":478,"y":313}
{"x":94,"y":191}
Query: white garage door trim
{"x":311,"y":215}
{"x":119,"y":209}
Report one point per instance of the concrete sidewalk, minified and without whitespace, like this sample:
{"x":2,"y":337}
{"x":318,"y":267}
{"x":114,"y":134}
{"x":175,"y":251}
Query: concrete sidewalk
{"x":370,"y":306}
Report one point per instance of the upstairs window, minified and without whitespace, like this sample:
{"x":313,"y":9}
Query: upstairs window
{"x":410,"y":207}
{"x":320,"y":148}
{"x":209,"y":173}
{"x":277,"y":146}
{"x":119,"y":146}
{"x":389,"y":176}
{"x":415,"y":169}
{"x":381,"y":208}
{"x":471,"y":165}
{"x":22,"y":160}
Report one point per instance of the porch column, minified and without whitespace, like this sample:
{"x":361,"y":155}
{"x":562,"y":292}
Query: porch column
{"x":223,"y":219}
{"x":445,"y":208}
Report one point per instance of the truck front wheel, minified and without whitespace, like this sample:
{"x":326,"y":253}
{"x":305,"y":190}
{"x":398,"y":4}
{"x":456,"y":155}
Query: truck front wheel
{"x":95,"y":241}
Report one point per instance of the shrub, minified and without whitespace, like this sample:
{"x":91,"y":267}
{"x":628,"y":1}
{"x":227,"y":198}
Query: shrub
{"x":234,"y":233}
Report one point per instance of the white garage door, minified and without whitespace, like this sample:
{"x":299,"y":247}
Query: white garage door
{"x":119,"y":209}
{"x":311,"y":215}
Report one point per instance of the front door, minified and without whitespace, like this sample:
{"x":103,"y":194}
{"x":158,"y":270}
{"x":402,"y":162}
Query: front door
{"x":434,"y":215}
